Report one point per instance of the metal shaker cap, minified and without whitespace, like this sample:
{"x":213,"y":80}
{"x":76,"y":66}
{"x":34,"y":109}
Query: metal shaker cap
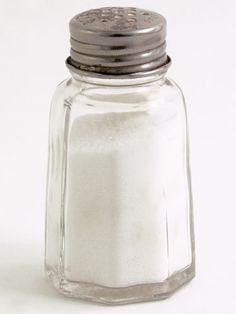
{"x":117,"y":40}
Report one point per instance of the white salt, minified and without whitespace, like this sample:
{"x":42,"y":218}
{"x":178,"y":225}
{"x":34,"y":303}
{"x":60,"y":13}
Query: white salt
{"x":126,"y":202}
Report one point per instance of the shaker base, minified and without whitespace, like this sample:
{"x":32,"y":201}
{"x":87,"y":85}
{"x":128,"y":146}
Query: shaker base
{"x":124,"y":295}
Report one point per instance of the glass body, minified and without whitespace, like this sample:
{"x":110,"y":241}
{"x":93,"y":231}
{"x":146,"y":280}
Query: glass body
{"x":119,"y":225}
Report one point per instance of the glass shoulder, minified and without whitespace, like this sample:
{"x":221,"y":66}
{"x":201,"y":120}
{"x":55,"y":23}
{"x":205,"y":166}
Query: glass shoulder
{"x":63,"y":95}
{"x":165,"y":89}
{"x":172,"y":89}
{"x":63,"y":90}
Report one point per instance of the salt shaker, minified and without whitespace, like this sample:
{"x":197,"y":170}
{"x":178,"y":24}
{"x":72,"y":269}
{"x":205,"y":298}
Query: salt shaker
{"x":119,"y":224}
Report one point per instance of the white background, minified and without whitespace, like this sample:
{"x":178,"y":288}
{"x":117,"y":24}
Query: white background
{"x":34,"y":42}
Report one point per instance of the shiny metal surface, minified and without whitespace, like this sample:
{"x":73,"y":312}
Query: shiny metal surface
{"x":117,"y":40}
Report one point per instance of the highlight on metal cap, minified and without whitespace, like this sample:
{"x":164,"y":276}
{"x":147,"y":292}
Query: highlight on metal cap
{"x":118,"y":40}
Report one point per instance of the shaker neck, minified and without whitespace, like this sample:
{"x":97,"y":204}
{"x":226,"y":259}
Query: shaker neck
{"x":105,"y":80}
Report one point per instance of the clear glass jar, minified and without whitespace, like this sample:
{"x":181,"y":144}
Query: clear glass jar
{"x":119,"y":224}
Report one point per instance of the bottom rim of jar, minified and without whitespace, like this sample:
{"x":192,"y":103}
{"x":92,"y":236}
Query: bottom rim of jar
{"x":124,"y":295}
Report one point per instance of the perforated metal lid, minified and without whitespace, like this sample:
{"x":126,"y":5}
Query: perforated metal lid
{"x":118,"y":40}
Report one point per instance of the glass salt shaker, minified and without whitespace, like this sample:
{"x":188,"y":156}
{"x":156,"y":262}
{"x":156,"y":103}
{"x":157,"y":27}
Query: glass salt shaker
{"x":119,"y":224}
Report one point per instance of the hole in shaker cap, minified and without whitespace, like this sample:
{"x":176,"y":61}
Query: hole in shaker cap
{"x":131,"y":19}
